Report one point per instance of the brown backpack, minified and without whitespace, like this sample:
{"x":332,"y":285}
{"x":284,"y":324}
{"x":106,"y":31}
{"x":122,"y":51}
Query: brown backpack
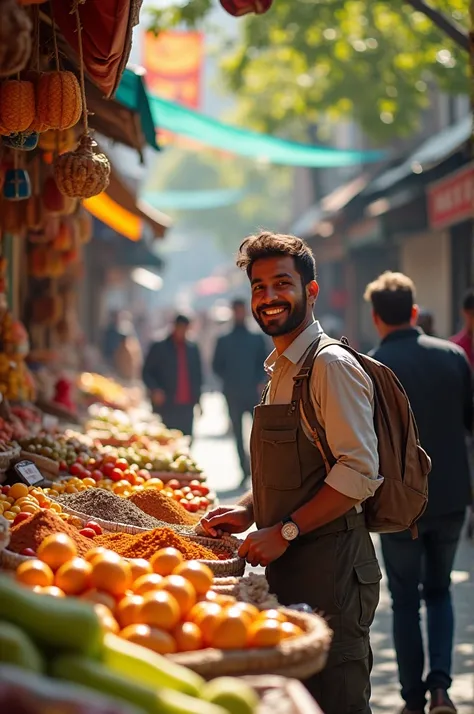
{"x":402,"y":497}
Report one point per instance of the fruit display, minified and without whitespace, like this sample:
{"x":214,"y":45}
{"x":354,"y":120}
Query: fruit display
{"x":117,"y":427}
{"x":98,"y":388}
{"x":75,"y":638}
{"x":66,"y":451}
{"x":165,"y":604}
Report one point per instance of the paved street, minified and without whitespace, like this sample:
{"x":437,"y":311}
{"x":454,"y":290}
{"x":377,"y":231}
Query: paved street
{"x":215,"y":451}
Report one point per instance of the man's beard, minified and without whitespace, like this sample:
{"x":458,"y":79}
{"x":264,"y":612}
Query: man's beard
{"x":294,"y":317}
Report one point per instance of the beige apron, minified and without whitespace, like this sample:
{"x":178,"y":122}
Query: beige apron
{"x":334,"y":569}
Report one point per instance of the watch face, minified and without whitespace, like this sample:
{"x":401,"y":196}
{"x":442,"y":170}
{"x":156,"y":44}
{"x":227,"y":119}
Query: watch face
{"x":290,"y":531}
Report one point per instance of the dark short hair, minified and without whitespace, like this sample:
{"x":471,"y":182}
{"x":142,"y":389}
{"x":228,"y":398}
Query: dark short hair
{"x":182,"y":320}
{"x":392,"y":296}
{"x":271,"y":245}
{"x":468,"y":301}
{"x":238,"y":302}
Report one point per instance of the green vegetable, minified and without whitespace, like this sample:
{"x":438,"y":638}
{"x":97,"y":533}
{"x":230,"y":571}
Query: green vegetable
{"x":146,"y":667}
{"x":62,"y":623}
{"x":17,"y":648}
{"x":177,"y":703}
{"x":235,"y":696}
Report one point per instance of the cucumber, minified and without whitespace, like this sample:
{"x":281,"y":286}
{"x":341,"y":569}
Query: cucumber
{"x":147,"y":667}
{"x":61,"y":623}
{"x":17,"y":648}
{"x":77,"y":669}
{"x":63,"y":697}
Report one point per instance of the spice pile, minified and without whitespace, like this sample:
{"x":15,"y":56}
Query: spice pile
{"x":32,"y":532}
{"x":105,"y":505}
{"x":160,"y":506}
{"x":145,"y":545}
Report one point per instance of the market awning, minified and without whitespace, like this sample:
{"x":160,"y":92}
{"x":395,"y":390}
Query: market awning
{"x":429,"y":154}
{"x":119,"y":208}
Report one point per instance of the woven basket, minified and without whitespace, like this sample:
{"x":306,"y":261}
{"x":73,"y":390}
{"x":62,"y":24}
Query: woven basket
{"x":301,"y":657}
{"x":252,"y":589}
{"x":6,"y":457}
{"x":10,"y":560}
{"x":280,"y":694}
{"x":45,"y":465}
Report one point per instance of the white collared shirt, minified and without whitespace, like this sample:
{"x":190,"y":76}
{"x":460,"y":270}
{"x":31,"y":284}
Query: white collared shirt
{"x":343,"y":398}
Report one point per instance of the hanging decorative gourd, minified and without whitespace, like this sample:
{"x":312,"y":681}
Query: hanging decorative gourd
{"x":238,"y":8}
{"x":59,"y":99}
{"x":59,"y":141}
{"x":15,"y":38}
{"x":17,"y":186}
{"x":53,"y":199}
{"x":34,"y":74}
{"x":17,"y":105}
{"x":22,"y":141}
{"x":82,"y":173}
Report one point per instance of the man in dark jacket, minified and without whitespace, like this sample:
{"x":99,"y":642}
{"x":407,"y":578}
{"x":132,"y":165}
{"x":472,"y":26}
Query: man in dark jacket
{"x":437,"y":378}
{"x":173,"y":375}
{"x":238,"y":361}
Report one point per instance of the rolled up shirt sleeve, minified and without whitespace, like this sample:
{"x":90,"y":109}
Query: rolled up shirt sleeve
{"x":343,"y":396}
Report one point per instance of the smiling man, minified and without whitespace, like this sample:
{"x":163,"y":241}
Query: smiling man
{"x":311,"y":533}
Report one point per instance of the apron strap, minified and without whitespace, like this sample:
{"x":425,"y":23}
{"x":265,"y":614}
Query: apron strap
{"x":302,"y":376}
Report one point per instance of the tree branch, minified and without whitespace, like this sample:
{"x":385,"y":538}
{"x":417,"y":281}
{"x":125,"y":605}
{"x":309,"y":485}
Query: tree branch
{"x":459,"y":36}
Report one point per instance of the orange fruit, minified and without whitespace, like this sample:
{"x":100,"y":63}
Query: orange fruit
{"x":111,"y":573}
{"x":99,"y":597}
{"x":152,"y":637}
{"x":206,"y":616}
{"x":74,"y":576}
{"x":198,"y":574}
{"x":159,"y":609}
{"x":127,"y":611}
{"x":56,"y":550}
{"x":230,"y":632}
{"x":272,"y":615}
{"x":251,"y":612}
{"x":56,"y":507}
{"x":107,"y":620}
{"x":146,"y":583}
{"x":223,"y":600}
{"x":182,"y":590}
{"x":289,"y":630}
{"x":30,"y":508}
{"x":156,"y":483}
{"x":139,"y":567}
{"x":49,"y":590}
{"x":34,"y":572}
{"x":18,"y":490}
{"x":89,"y":482}
{"x":166,"y":560}
{"x":265,"y":633}
{"x":188,"y":637}
{"x":93,"y":552}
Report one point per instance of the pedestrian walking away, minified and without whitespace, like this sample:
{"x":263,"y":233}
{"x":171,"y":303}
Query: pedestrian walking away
{"x":312,"y":536}
{"x":238,"y":361}
{"x":173,"y":375}
{"x":437,"y":378}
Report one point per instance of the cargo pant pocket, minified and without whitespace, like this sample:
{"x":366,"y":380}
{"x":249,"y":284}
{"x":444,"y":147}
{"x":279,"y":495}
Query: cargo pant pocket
{"x":368,"y":576}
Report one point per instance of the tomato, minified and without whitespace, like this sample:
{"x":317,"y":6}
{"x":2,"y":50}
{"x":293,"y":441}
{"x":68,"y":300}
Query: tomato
{"x":107,"y":468}
{"x":92,"y":462}
{"x":174,"y":483}
{"x":185,"y":503}
{"x":63,"y":466}
{"x":110,"y":459}
{"x":196,"y":493}
{"x":6,"y":490}
{"x":20,"y":517}
{"x":186,"y":490}
{"x":28,"y":551}
{"x":128,"y":476}
{"x":86,"y":474}
{"x":88,"y":533}
{"x":116,"y":475}
{"x":204,"y":503}
{"x":121,"y":464}
{"x":97,"y":475}
{"x":144,"y":474}
{"x":194,"y":505}
{"x":76,"y":469}
{"x":92,"y":525}
{"x":189,"y":496}
{"x":203,"y":489}
{"x":195,"y":483}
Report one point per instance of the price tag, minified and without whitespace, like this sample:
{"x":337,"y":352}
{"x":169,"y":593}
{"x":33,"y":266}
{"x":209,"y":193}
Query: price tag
{"x":28,"y":473}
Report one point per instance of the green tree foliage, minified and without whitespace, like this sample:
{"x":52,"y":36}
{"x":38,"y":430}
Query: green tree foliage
{"x":267,"y":203}
{"x":307,"y":61}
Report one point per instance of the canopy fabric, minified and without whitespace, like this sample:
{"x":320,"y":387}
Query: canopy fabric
{"x":106,"y":210}
{"x":186,"y":122}
{"x":195,"y":200}
{"x":131,"y":93}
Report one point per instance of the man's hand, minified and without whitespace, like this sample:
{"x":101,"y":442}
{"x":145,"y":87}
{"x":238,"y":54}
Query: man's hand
{"x":158,"y":397}
{"x":263,"y":546}
{"x":227,"y":519}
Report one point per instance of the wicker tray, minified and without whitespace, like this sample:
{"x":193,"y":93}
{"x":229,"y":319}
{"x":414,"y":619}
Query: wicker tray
{"x":6,"y":457}
{"x":252,"y":589}
{"x":300,"y":657}
{"x":279,"y":695}
{"x":48,"y":467}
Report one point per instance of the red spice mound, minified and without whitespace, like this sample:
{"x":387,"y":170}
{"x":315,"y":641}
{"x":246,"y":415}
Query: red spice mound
{"x":144,"y":545}
{"x":31,"y":533}
{"x":162,"y":507}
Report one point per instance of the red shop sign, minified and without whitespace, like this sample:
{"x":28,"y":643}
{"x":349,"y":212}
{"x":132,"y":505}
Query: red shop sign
{"x":451,"y":200}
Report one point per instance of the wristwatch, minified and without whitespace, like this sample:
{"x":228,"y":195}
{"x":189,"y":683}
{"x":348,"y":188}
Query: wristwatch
{"x":289,"y":529}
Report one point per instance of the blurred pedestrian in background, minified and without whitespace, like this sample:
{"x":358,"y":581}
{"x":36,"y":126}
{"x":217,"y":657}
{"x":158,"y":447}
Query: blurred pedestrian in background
{"x":437,"y":378}
{"x":238,"y":361}
{"x":426,"y":322}
{"x":111,"y":337}
{"x":465,"y":338}
{"x":173,"y":375}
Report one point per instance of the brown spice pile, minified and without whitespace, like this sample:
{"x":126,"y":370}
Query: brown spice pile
{"x":144,"y":545}
{"x":161,"y":506}
{"x":31,"y":533}
{"x":99,"y":503}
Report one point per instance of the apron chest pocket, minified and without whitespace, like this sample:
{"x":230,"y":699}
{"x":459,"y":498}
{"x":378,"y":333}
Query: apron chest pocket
{"x":369,"y":576}
{"x":281,"y":466}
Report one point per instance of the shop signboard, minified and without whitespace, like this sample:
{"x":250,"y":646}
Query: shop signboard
{"x":451,"y":200}
{"x":364,"y":233}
